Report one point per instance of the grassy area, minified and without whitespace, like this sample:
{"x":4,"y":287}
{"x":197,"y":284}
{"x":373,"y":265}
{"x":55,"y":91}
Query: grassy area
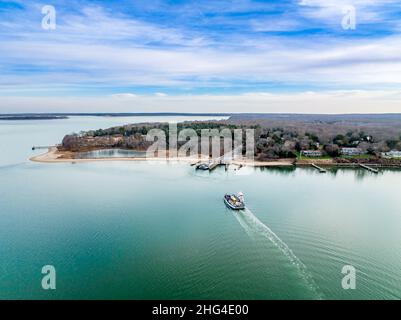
{"x":359,"y":156}
{"x":326,"y":157}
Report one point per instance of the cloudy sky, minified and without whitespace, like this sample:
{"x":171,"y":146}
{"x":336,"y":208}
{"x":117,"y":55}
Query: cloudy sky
{"x":201,"y":56}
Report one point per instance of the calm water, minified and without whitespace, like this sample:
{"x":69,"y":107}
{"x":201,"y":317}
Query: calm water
{"x":110,"y":153}
{"x":145,"y":230}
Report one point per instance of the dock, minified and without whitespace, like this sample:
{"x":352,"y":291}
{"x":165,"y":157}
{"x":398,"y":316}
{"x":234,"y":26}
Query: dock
{"x":211,"y":165}
{"x":368,"y":168}
{"x":321,"y":170}
{"x":195,"y":163}
{"x":41,"y":147}
{"x":214,"y":165}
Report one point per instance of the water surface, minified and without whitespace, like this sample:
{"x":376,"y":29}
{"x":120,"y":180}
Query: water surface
{"x":138,"y":230}
{"x":110,"y":153}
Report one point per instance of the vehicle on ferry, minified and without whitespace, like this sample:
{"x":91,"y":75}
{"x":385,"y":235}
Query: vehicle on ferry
{"x":235,"y":202}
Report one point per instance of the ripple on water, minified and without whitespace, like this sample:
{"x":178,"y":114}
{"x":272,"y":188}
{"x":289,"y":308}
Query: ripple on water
{"x":255,"y":228}
{"x":325,"y":255}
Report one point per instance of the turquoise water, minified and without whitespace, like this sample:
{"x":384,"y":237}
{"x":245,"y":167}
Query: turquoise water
{"x":138,"y":230}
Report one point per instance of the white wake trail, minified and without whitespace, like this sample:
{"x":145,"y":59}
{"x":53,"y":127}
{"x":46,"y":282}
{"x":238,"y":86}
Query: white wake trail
{"x":254,"y":227}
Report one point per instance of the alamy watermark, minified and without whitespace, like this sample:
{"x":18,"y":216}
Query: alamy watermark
{"x":349,"y":280}
{"x":49,"y":279}
{"x":213,"y":144}
{"x":349,"y":19}
{"x":49,"y":21}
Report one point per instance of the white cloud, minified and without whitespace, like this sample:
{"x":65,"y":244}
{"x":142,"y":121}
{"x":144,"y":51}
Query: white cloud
{"x":276,"y":24}
{"x":352,"y":101}
{"x":331,"y":11}
{"x":97,"y":49}
{"x":336,"y":62}
{"x":124,"y":96}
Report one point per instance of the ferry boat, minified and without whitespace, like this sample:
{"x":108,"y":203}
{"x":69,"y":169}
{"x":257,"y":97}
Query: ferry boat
{"x":235,"y":202}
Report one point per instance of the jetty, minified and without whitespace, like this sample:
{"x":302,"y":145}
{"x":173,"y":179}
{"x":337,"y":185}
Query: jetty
{"x":224,"y":160}
{"x":41,"y":147}
{"x":368,"y":168}
{"x":321,"y":170}
{"x":195,"y":163}
{"x":213,"y":165}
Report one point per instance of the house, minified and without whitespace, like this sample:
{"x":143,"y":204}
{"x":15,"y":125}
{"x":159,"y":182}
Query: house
{"x":351,"y":151}
{"x":355,"y":143}
{"x":391,"y":154}
{"x":311,"y":153}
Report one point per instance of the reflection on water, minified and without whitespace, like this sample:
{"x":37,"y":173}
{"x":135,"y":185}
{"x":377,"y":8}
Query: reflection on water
{"x":278,"y":170}
{"x":110,"y":153}
{"x":359,"y":173}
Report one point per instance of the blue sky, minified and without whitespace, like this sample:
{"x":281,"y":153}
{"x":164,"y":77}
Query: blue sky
{"x":239,"y":55}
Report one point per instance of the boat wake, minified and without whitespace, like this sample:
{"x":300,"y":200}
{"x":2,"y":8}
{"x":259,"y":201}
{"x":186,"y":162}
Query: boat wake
{"x":254,"y":227}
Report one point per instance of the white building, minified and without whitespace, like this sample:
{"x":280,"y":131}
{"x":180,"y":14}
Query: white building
{"x":311,"y":153}
{"x":351,"y":151}
{"x":391,"y":154}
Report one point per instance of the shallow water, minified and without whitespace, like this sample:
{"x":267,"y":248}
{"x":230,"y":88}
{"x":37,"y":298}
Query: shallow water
{"x":151,"y":230}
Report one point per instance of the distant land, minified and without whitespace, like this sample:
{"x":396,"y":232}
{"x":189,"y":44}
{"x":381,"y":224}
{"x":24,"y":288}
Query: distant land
{"x":328,"y":118}
{"x":17,"y":117}
{"x":317,"y":117}
{"x":56,"y":116}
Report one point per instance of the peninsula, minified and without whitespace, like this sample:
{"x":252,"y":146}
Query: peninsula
{"x":280,"y":139}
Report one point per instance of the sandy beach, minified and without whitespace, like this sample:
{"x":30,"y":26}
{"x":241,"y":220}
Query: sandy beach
{"x":53,"y":155}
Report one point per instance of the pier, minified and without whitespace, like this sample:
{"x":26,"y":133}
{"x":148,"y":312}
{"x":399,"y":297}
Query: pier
{"x":368,"y":168}
{"x":41,"y":147}
{"x":195,"y":163}
{"x":224,"y":160}
{"x":321,"y":170}
{"x":211,"y":165}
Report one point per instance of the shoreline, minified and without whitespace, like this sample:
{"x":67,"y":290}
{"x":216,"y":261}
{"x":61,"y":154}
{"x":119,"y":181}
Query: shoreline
{"x":53,"y":155}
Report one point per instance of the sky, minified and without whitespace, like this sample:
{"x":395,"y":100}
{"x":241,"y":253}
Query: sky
{"x":303,"y":56}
